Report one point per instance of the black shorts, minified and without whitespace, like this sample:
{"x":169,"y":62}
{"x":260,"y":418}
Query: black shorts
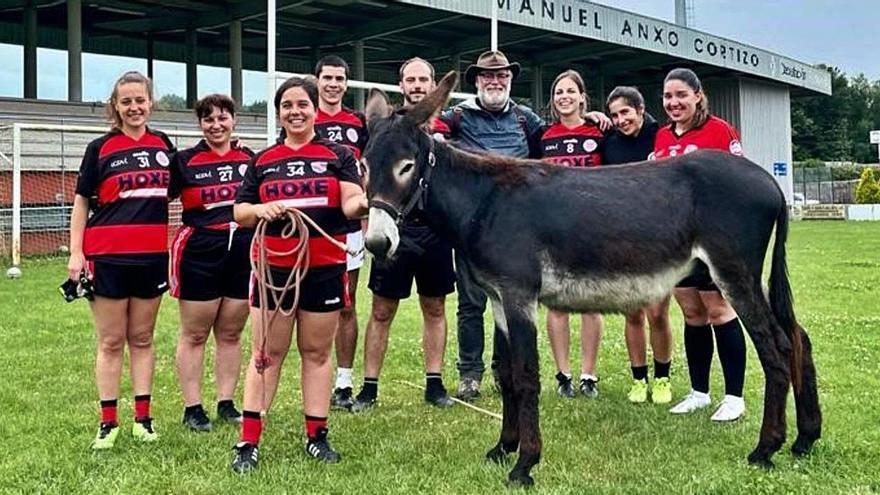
{"x":318,"y":292}
{"x":205,"y":265}
{"x":120,"y":281}
{"x":699,"y":278}
{"x":421,"y":255}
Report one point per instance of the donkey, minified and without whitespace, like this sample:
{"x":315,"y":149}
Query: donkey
{"x":609,"y":239}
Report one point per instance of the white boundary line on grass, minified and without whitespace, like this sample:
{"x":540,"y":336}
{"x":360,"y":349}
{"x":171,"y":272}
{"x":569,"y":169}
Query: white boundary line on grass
{"x":459,"y":401}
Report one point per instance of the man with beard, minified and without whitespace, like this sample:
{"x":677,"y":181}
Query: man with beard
{"x":423,"y":256}
{"x":339,"y":124}
{"x":489,"y":122}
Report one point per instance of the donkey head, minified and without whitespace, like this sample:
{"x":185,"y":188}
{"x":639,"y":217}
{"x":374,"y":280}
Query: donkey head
{"x":398,"y":157}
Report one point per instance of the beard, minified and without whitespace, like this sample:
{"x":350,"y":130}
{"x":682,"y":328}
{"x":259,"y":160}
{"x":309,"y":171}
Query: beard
{"x":494,"y":100}
{"x":413,"y":98}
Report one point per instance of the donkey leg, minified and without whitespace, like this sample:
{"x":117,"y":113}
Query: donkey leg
{"x":522,"y":335}
{"x":806,"y":398}
{"x":749,"y":302}
{"x":509,"y":441}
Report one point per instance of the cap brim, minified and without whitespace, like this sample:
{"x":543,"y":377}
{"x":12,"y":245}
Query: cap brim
{"x":470,"y":75}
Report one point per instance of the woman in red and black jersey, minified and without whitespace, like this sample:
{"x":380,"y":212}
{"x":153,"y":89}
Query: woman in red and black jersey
{"x":123,"y":247}
{"x":210,"y":271}
{"x":320,"y":178}
{"x":692,"y":127}
{"x":572,"y":141}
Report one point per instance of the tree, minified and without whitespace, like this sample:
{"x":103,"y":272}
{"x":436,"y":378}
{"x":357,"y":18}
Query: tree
{"x":255,"y":107}
{"x":868,"y":190}
{"x":172,"y":102}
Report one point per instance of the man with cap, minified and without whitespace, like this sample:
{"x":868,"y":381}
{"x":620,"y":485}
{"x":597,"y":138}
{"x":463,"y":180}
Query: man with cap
{"x":491,"y":122}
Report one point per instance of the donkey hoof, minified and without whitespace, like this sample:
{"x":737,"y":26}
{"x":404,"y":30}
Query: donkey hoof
{"x":497,"y":454}
{"x":518,"y":478}
{"x":761,"y":459}
{"x":802,"y":446}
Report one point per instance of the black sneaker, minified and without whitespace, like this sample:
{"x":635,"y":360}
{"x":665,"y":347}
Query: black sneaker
{"x":468,"y":389}
{"x":320,"y":448}
{"x":228,"y":413}
{"x":439,"y":399}
{"x":246,"y":457}
{"x":342,"y":399}
{"x":564,"y":387}
{"x":589,"y":387}
{"x":363,"y":404}
{"x":197,"y":420}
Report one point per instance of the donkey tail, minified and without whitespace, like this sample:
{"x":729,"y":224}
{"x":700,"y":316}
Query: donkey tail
{"x":781,"y":300}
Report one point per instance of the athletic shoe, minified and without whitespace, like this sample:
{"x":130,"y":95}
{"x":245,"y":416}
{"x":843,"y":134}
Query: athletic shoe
{"x":468,"y":389}
{"x":342,"y":399}
{"x":197,"y":420}
{"x":589,"y":387}
{"x":228,"y":413}
{"x":564,"y":387}
{"x":638,"y":393}
{"x":439,"y":399}
{"x":106,"y":437}
{"x":731,"y":409}
{"x":661,"y":391}
{"x":693,"y":401}
{"x":143,"y":430}
{"x":363,"y":404}
{"x":320,"y":448}
{"x":246,"y":457}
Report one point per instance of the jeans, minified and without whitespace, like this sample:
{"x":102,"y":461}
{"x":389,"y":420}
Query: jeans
{"x":471,"y":337}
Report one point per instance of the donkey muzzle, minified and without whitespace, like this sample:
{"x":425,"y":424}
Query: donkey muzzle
{"x":382,"y":236}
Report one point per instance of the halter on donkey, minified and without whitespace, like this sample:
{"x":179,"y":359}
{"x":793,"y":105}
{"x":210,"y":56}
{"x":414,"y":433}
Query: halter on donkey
{"x":609,"y":239}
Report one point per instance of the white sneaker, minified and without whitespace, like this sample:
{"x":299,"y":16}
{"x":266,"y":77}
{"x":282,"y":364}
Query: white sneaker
{"x":693,"y":401}
{"x":731,"y":409}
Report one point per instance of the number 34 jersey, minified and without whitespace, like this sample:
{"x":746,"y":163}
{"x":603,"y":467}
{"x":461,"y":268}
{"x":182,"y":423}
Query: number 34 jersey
{"x":207,"y":183}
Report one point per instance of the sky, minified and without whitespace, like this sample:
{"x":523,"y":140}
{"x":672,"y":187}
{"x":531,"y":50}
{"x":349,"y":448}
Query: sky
{"x":834,"y":32}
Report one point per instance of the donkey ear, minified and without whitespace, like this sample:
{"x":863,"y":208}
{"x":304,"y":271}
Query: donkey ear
{"x":431,"y":105}
{"x":378,"y":106}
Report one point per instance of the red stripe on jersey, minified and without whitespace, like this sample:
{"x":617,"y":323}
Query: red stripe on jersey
{"x":342,"y":117}
{"x":321,"y":251}
{"x":310,"y":150}
{"x":211,"y":158}
{"x":559,"y":130}
{"x":314,"y":192}
{"x":125,"y":239}
{"x":121,"y":142}
{"x":146,"y":184}
{"x":177,"y":248}
{"x":208,"y":197}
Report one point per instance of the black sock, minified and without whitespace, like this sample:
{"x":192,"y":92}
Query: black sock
{"x":732,"y":354}
{"x":370,"y":389}
{"x":661,"y":370}
{"x":698,"y":347}
{"x":225,"y":404}
{"x":640,"y":372}
{"x":191,"y":409}
{"x":434,"y":385}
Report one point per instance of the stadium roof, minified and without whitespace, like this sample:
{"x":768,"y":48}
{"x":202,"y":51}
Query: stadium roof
{"x":617,"y":46}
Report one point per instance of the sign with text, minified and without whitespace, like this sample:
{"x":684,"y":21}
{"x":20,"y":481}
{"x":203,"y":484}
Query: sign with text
{"x":875,"y":137}
{"x":598,"y":22}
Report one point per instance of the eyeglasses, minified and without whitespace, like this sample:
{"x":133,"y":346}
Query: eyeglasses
{"x":494,"y":76}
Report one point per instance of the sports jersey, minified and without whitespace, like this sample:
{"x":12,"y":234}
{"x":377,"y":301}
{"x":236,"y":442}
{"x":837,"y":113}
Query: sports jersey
{"x":714,"y":134}
{"x":579,"y":146}
{"x":126,"y":181}
{"x":345,"y":127}
{"x":309,"y":180}
{"x":207,"y":183}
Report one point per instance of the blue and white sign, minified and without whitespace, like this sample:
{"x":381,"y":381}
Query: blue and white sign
{"x":780,"y":169}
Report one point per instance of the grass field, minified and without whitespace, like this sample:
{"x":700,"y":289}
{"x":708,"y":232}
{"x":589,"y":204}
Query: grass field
{"x":49,"y":408}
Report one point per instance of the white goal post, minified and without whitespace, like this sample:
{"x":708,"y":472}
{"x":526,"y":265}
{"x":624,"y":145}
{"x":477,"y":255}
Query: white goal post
{"x":39,"y":164}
